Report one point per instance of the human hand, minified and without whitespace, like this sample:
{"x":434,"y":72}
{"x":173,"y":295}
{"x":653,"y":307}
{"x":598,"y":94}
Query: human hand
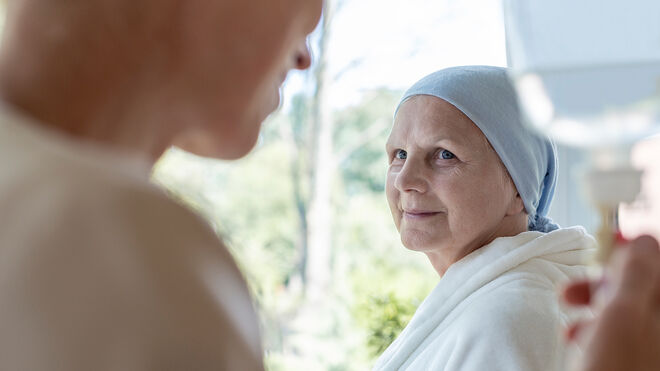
{"x":625,"y":334}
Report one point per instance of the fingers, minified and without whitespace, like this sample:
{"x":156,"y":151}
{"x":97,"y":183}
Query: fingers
{"x":634,"y":274}
{"x":636,"y":271}
{"x":648,"y":242}
{"x":639,"y":264}
{"x":625,"y":330}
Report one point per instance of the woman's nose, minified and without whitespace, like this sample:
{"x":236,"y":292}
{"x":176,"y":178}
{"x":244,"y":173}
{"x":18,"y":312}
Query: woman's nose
{"x":411,"y":179}
{"x":303,"y":56}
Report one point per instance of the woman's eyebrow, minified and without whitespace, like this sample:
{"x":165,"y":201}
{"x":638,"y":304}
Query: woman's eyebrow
{"x":440,"y":141}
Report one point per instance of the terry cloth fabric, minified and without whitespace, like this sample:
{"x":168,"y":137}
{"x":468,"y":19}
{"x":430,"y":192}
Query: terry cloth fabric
{"x":497,"y":308}
{"x":486,"y":96}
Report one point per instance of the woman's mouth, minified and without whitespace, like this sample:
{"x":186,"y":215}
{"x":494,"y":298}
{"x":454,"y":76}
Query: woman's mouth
{"x":419,"y":214}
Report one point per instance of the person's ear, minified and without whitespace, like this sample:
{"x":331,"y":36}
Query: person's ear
{"x":516,"y":206}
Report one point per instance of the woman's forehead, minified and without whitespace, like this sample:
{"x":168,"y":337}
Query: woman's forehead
{"x":430,"y":119}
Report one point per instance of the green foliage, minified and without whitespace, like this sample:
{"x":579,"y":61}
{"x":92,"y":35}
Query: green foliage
{"x":363,"y":161}
{"x":384,"y":317}
{"x":252,"y":205}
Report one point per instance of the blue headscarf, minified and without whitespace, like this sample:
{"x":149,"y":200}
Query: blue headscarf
{"x":486,"y":96}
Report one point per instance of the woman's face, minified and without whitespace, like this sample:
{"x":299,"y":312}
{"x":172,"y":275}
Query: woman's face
{"x":237,"y":55}
{"x":447,"y":189}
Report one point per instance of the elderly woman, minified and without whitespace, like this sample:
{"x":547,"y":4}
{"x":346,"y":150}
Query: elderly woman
{"x":469,"y":186}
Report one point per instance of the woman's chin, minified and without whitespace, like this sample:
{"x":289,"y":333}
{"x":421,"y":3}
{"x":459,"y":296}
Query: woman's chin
{"x":207,"y":145}
{"x":420,"y":242}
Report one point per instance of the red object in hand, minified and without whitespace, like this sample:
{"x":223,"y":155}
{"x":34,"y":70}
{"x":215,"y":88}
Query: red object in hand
{"x":620,"y":240}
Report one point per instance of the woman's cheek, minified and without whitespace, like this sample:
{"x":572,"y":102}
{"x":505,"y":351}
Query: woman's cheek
{"x":392,"y":195}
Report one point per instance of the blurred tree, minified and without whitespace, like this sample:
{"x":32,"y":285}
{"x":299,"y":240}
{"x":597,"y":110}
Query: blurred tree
{"x":311,"y":274}
{"x":384,"y":317}
{"x":319,"y":218}
{"x":254,"y":204}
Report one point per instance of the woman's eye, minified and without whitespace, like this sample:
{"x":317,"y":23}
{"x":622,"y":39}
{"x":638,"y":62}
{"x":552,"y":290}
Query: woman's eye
{"x":401,"y":154}
{"x":446,"y":155}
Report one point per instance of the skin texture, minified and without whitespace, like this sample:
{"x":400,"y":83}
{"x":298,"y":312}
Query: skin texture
{"x":625,"y":334}
{"x":144,"y":75}
{"x":447,"y":204}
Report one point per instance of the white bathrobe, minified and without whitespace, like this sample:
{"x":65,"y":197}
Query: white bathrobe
{"x":496,"y":309}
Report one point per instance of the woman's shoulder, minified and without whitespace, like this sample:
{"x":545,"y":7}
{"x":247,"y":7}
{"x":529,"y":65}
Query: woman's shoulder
{"x":566,"y":256}
{"x":145,"y":268}
{"x":518,"y":316}
{"x":519,"y":311}
{"x":514,"y":293}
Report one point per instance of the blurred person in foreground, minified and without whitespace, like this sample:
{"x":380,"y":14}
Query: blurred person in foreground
{"x":470,"y":186}
{"x":100,"y":269}
{"x":625,"y":334}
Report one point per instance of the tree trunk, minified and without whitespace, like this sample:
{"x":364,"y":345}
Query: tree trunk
{"x":319,"y":217}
